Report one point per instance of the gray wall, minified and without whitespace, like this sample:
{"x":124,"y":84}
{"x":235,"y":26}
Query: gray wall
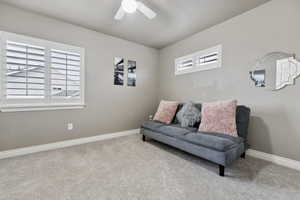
{"x":109,"y":108}
{"x":275,"y":115}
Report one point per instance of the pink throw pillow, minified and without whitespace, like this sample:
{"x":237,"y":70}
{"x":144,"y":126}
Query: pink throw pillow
{"x":219,"y":117}
{"x":166,"y":111}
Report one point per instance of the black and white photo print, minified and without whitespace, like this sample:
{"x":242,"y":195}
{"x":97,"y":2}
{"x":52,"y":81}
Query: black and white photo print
{"x":119,"y":71}
{"x":131,"y":81}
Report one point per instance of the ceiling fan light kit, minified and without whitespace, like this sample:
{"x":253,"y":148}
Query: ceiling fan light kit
{"x":130,"y":6}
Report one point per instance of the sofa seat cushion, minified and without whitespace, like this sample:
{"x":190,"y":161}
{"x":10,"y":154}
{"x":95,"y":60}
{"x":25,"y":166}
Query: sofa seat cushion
{"x":216,"y":141}
{"x":175,"y":130}
{"x":152,"y":125}
{"x":172,"y":130}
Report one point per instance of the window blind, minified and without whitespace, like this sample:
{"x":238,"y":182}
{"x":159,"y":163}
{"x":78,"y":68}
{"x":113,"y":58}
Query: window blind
{"x":25,"y":70}
{"x":37,"y":73}
{"x":65,"y":74}
{"x":185,"y":64}
{"x":202,"y":60}
{"x":208,"y":59}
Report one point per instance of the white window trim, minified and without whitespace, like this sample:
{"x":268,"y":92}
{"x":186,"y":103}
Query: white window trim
{"x":195,"y":56}
{"x":47,"y":104}
{"x":41,"y":107}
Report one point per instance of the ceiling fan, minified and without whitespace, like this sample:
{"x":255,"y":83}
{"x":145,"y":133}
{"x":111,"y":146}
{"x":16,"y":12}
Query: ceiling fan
{"x":130,"y":6}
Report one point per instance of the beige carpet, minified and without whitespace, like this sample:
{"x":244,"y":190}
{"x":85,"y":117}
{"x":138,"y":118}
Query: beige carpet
{"x":126,"y":168}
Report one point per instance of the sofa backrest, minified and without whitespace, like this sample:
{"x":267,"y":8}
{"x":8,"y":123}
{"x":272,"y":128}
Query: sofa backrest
{"x":242,"y":119}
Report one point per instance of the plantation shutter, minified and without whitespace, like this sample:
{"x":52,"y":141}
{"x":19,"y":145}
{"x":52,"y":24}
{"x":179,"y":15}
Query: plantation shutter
{"x":65,"y":74}
{"x":183,"y":64}
{"x":37,"y":74}
{"x":199,"y":61}
{"x":208,"y":59}
{"x":24,"y":72}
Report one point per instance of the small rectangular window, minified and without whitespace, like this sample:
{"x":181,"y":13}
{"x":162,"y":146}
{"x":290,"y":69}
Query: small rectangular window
{"x":187,"y":64}
{"x":208,"y":59}
{"x":202,"y":60}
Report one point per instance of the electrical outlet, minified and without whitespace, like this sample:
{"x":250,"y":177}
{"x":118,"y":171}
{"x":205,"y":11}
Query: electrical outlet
{"x":70,"y":126}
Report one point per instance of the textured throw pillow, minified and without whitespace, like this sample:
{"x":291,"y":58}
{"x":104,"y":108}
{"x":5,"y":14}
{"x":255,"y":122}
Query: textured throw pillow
{"x":166,"y":111}
{"x":219,"y":117}
{"x":188,"y":115}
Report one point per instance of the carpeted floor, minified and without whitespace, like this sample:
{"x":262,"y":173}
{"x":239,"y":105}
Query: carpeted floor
{"x":126,"y":168}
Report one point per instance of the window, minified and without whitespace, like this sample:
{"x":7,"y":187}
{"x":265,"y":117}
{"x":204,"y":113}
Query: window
{"x":24,"y":71}
{"x":185,"y":63}
{"x":38,"y":74}
{"x":65,"y":74}
{"x":203,"y":60}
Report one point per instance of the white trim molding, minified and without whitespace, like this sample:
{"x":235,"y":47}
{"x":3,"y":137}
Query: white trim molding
{"x":41,"y":107}
{"x":286,"y":162}
{"x":63,"y":144}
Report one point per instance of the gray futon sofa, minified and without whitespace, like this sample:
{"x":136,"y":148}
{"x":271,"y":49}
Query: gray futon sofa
{"x":219,"y":148}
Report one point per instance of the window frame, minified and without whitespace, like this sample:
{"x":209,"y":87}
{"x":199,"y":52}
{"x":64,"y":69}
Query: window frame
{"x":46,"y":103}
{"x":196,"y":67}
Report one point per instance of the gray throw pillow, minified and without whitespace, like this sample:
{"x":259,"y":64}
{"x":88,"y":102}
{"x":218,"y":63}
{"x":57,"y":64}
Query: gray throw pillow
{"x":189,"y":115}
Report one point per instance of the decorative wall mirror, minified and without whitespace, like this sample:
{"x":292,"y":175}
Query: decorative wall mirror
{"x":281,"y":69}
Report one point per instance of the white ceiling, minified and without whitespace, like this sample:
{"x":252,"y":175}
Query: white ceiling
{"x":176,"y":19}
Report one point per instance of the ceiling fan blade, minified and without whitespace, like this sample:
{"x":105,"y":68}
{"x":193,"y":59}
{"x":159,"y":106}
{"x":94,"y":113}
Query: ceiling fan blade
{"x":145,"y":10}
{"x":120,"y":14}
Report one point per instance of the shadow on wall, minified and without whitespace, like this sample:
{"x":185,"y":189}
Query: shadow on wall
{"x":270,"y":131}
{"x":196,"y":90}
{"x":259,"y":135}
{"x":209,"y":90}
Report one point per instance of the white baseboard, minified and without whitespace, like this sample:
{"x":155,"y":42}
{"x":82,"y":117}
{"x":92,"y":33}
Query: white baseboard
{"x":62,"y":144}
{"x":294,"y":164}
{"x":57,"y":145}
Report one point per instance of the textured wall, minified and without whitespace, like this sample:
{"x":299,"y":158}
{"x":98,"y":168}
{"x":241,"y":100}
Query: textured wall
{"x":275,"y":115}
{"x":109,"y":108}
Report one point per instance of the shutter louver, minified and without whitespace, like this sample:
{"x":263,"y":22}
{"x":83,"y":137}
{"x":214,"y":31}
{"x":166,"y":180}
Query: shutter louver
{"x":24,"y":71}
{"x":199,"y":61}
{"x":65,"y":74}
{"x":186,"y":64}
{"x":208,"y":59}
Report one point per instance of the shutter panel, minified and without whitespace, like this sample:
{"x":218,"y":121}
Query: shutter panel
{"x":65,"y":74}
{"x":199,"y":61}
{"x":24,"y":71}
{"x":208,"y":59}
{"x":185,"y":64}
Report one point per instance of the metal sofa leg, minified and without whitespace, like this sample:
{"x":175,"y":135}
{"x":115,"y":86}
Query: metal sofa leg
{"x":221,"y":170}
{"x":144,"y":138}
{"x":243,"y":156}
